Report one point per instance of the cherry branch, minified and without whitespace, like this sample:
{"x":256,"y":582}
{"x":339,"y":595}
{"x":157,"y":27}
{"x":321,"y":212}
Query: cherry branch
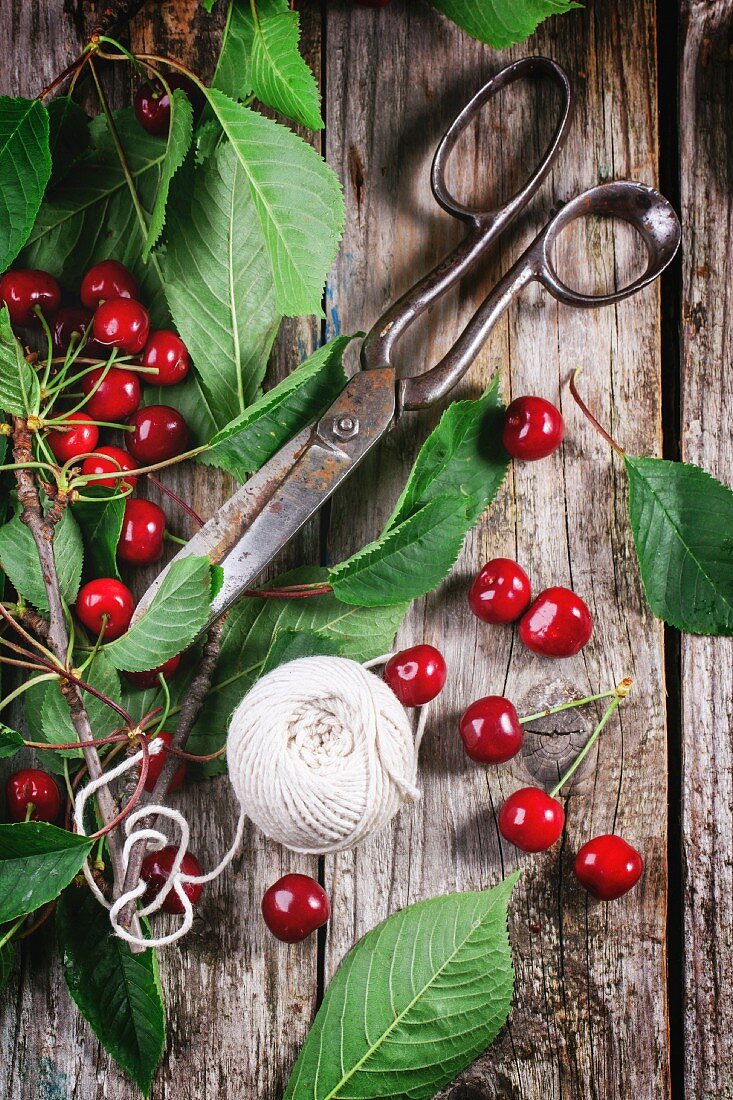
{"x":190,"y":710}
{"x":58,"y":638}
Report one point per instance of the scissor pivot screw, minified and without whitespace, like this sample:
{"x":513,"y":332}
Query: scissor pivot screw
{"x":345,"y":427}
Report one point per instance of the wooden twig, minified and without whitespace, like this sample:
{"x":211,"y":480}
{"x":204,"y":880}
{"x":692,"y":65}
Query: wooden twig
{"x":58,"y":639}
{"x":190,"y":710}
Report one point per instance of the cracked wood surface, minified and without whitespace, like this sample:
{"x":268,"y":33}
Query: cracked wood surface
{"x":590,"y":1018}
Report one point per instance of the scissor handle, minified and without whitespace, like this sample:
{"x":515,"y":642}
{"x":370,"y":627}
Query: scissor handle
{"x":648,"y":212}
{"x":484,"y":225}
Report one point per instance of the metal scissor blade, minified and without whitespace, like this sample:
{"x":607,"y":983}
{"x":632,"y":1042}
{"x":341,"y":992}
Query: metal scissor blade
{"x":261,"y":518}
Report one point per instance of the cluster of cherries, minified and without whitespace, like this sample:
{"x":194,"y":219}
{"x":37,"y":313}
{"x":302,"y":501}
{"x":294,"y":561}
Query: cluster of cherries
{"x":109,"y":317}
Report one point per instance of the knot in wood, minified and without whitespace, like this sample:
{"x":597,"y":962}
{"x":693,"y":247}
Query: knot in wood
{"x":551,"y":743}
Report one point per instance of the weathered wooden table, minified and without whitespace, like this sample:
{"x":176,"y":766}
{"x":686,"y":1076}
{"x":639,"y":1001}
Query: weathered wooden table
{"x":630,"y":1000}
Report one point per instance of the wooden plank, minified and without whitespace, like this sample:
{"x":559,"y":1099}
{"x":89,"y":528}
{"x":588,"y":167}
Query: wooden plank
{"x":706,"y":184}
{"x":239,"y":1004}
{"x":589,"y":1018}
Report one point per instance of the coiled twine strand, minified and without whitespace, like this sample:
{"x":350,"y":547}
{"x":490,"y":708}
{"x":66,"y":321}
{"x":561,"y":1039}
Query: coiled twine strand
{"x":321,"y":754}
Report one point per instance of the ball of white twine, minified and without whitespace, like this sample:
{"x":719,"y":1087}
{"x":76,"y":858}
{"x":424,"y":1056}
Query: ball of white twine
{"x":321,"y":753}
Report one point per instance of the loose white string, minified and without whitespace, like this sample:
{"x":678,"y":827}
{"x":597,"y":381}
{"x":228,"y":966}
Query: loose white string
{"x":321,"y":754}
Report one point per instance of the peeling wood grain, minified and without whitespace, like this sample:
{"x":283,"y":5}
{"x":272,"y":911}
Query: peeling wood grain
{"x":706,"y":157}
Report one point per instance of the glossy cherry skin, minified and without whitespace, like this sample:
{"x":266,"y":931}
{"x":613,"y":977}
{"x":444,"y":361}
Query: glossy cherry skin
{"x":143,"y":527}
{"x":531,"y":819}
{"x":558,"y":623}
{"x":295,"y":906}
{"x":533,"y":428}
{"x":416,"y":675}
{"x":149,"y":678}
{"x":74,"y":321}
{"x":108,"y":279}
{"x":501,"y":592}
{"x":110,"y":460}
{"x":105,"y":596}
{"x":608,"y":867}
{"x":156,"y":870}
{"x":116,"y":397}
{"x":155,"y":767}
{"x":490,"y":730}
{"x":152,"y":104}
{"x":76,"y":438}
{"x":27,"y":288}
{"x":160,"y":433}
{"x":166,"y":352}
{"x":122,"y":323}
{"x":31,"y":786}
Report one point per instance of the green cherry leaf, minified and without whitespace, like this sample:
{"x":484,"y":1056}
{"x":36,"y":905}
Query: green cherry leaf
{"x":100,"y":521}
{"x":116,"y":991}
{"x":682,"y":523}
{"x":408,"y":560}
{"x":298,"y":198}
{"x":180,"y":134}
{"x":37,"y":862}
{"x":20,"y":392}
{"x":463,"y":457}
{"x":413,"y":1003}
{"x":501,"y":23}
{"x":56,"y":724}
{"x":233,"y":74}
{"x":280,"y":76}
{"x":69,"y":136}
{"x":177,"y":614}
{"x":10,"y":742}
{"x":25,"y":169}
{"x":19,"y":559}
{"x":250,"y":440}
{"x":219,"y":284}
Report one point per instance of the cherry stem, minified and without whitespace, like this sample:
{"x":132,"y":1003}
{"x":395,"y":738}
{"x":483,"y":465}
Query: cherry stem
{"x":177,"y":500}
{"x":71,"y":70}
{"x":589,"y":415}
{"x":13,"y":622}
{"x":290,"y":592}
{"x":12,"y":930}
{"x":621,"y":691}
{"x":566,"y":706}
{"x":157,"y":465}
{"x":112,"y":739}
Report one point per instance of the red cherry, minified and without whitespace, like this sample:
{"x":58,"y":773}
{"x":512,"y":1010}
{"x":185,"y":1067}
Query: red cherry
{"x":112,"y":460}
{"x":156,"y":870}
{"x":416,"y":675}
{"x":77,"y":438}
{"x":608,"y":867}
{"x":143,"y":527}
{"x":501,"y":592}
{"x":122,"y":323}
{"x":160,"y":433}
{"x":295,"y":906}
{"x":108,"y":279}
{"x":155,"y":767}
{"x":558,"y":624}
{"x":533,"y":428}
{"x":105,"y":596}
{"x":531,"y":819}
{"x":74,"y":321}
{"x":166,"y":352}
{"x":491,"y":731}
{"x":116,"y":397}
{"x":149,"y":679}
{"x":152,"y":104}
{"x":32,"y":787}
{"x":25,"y":289}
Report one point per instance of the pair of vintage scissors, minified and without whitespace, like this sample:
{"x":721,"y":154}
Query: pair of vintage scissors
{"x":254,"y":524}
